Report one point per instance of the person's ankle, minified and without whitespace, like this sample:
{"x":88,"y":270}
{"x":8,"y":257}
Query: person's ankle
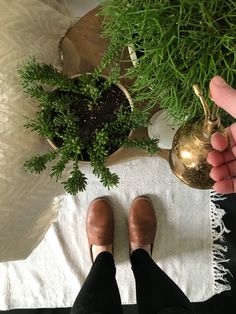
{"x":97,"y":249}
{"x":134,"y":246}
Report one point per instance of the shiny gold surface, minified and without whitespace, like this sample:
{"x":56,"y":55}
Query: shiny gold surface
{"x":191,"y":145}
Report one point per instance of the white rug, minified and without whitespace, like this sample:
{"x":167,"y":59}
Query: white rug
{"x":184,"y":249}
{"x":52,"y":275}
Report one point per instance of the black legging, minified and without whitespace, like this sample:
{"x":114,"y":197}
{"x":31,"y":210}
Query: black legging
{"x":155,"y":290}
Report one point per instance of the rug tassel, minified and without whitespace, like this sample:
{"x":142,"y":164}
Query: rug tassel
{"x":219,"y":250}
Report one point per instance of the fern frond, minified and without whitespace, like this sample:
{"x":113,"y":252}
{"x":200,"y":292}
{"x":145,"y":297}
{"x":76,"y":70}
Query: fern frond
{"x":150,"y":145}
{"x":77,"y":181}
{"x":33,"y":72}
{"x":38,"y":163}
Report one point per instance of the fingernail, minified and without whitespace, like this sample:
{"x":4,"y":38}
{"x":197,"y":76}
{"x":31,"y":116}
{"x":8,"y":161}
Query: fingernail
{"x":210,"y":174}
{"x":219,"y":81}
{"x":215,"y":187}
{"x":208,"y":158}
{"x":210,"y":95}
{"x":216,"y":135}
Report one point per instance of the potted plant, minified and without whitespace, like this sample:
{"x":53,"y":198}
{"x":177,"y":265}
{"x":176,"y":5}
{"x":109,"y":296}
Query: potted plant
{"x":85,"y":118}
{"x":179,"y":43}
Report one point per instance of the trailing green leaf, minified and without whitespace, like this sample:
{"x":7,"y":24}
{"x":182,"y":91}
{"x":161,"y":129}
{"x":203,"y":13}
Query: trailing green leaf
{"x":58,"y":168}
{"x":150,"y":145}
{"x":76,"y":182}
{"x":98,"y":154}
{"x":38,"y":163}
{"x":33,"y":72}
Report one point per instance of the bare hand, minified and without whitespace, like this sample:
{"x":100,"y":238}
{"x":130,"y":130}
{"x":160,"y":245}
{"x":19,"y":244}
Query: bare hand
{"x":223,"y":157}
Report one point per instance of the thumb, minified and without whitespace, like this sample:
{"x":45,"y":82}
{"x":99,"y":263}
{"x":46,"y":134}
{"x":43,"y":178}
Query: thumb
{"x":223,"y":95}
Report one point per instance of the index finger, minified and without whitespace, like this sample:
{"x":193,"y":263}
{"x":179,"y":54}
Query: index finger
{"x":223,"y":95}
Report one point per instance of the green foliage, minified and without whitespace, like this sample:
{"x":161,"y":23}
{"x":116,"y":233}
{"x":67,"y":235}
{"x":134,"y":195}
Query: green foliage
{"x":180,"y":43}
{"x":76,"y":182}
{"x":64,"y":103}
{"x":150,"y":145}
{"x":98,"y":154}
{"x":38,"y":163}
{"x":32,"y":72}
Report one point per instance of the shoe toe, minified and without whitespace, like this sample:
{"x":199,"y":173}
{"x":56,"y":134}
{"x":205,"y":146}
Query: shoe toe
{"x":100,"y":223}
{"x":142,"y":222}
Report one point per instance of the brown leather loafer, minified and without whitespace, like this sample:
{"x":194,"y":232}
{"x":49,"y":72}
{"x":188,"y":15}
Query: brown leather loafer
{"x":142,"y":222}
{"x":100,"y":224}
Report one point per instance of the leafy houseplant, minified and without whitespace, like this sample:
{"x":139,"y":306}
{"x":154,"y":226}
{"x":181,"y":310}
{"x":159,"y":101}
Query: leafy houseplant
{"x":180,"y":43}
{"x":87,"y":118}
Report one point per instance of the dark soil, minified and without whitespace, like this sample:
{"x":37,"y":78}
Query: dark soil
{"x":104,"y":111}
{"x":93,"y":118}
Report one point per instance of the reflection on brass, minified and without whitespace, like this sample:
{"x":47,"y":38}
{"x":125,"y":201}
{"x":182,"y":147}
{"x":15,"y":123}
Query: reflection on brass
{"x":191,"y":145}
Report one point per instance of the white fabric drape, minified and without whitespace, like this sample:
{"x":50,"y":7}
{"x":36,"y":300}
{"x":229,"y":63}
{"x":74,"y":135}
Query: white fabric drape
{"x":26,"y":206}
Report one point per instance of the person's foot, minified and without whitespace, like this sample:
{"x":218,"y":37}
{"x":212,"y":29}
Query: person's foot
{"x":142,"y":224}
{"x":100,"y":227}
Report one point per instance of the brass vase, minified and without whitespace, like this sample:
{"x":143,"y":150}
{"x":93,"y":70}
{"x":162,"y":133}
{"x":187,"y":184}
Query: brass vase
{"x":191,"y":145}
